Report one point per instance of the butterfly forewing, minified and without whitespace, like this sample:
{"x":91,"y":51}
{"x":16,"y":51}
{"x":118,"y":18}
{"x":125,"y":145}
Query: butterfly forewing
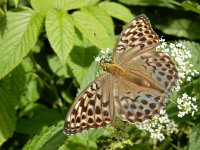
{"x":137,"y":38}
{"x":93,"y":108}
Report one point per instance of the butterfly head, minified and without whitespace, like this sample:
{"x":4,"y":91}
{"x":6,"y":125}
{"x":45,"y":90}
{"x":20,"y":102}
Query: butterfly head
{"x":105,"y":65}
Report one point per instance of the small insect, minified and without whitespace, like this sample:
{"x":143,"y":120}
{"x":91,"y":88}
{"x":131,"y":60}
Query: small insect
{"x":135,"y":85}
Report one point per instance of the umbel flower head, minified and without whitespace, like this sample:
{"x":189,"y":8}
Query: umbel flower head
{"x":181,"y":55}
{"x":159,"y":126}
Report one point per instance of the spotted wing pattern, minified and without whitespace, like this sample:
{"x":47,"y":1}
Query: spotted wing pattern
{"x":156,"y":67}
{"x":150,"y":75}
{"x":137,"y":93}
{"x":134,"y":103}
{"x":137,"y":38}
{"x":93,"y":108}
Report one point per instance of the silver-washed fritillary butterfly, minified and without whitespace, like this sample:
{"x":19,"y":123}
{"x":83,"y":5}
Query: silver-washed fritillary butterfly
{"x":134,"y":86}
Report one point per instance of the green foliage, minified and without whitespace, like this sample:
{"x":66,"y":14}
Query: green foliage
{"x":48,"y":138}
{"x":22,"y":28}
{"x":60,"y":32}
{"x":47,"y":53}
{"x":116,"y":10}
{"x":194,"y":139}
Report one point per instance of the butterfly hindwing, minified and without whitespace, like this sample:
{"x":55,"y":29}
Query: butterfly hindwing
{"x":156,"y":67}
{"x":93,"y":108}
{"x":136,"y":104}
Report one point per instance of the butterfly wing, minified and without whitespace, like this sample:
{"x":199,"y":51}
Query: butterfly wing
{"x":154,"y":74}
{"x":137,"y":38}
{"x":156,"y":68}
{"x":134,"y":103}
{"x":93,"y":108}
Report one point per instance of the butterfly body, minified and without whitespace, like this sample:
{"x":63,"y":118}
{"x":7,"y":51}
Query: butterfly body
{"x":135,"y":85}
{"x":133,"y":77}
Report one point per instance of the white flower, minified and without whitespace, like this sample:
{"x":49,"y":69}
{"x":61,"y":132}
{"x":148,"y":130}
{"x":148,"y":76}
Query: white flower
{"x":104,"y":55}
{"x":98,"y":59}
{"x":159,"y":126}
{"x":186,"y":105}
{"x":181,"y":56}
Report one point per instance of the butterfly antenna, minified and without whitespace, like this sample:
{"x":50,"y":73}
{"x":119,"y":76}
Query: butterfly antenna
{"x":96,"y":39}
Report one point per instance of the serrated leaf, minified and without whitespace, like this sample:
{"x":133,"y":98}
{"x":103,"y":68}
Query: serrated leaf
{"x":11,"y":88}
{"x":117,"y":10}
{"x":48,"y":139}
{"x":193,"y":6}
{"x":42,"y":6}
{"x":20,"y":32}
{"x":104,"y":18}
{"x":194,"y":138}
{"x":89,"y":25}
{"x":60,"y":33}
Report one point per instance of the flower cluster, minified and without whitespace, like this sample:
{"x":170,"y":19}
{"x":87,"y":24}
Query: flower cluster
{"x":181,"y":55}
{"x":186,"y":105}
{"x":105,"y":55}
{"x":159,"y":126}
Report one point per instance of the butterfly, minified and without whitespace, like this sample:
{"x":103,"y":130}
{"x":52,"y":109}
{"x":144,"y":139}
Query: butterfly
{"x":135,"y":85}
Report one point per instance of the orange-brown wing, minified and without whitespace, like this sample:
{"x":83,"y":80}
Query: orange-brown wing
{"x":93,"y":108}
{"x":137,"y":38}
{"x":156,"y":68}
{"x":135,"y":103}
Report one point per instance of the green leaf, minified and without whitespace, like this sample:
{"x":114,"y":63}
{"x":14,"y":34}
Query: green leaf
{"x":20,"y":32}
{"x":89,"y":25}
{"x":42,"y":6}
{"x":57,"y":67}
{"x":60,"y":32}
{"x":32,"y":87}
{"x":160,"y":3}
{"x":7,"y":118}
{"x":80,"y":60}
{"x":35,"y":116}
{"x":72,"y":4}
{"x":180,"y":27}
{"x":104,"y":18}
{"x":194,"y":138}
{"x":48,"y":139}
{"x":194,"y":48}
{"x":16,"y":2}
{"x":11,"y":88}
{"x":193,"y":6}
{"x":84,"y":140}
{"x":117,"y":10}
